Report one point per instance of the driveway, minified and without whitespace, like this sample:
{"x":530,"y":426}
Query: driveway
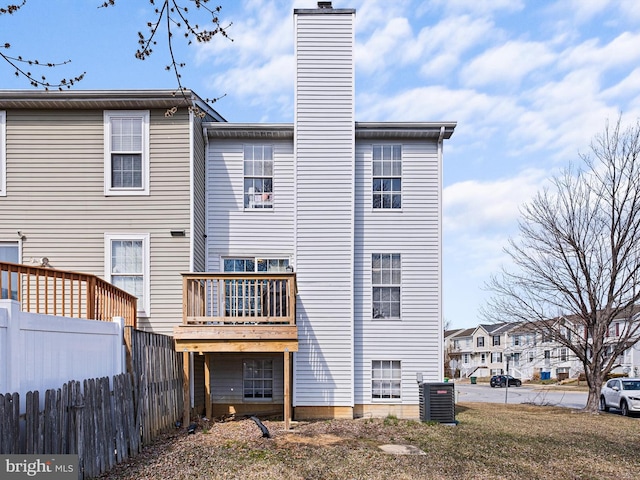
{"x":532,"y":395}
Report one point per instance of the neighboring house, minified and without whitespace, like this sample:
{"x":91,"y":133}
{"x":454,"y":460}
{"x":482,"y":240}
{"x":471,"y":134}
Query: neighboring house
{"x":103,"y":182}
{"x":314,"y":247}
{"x":484,"y":350}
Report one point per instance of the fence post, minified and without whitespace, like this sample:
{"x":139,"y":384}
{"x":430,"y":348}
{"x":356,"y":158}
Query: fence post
{"x":14,"y":352}
{"x":122,"y":350}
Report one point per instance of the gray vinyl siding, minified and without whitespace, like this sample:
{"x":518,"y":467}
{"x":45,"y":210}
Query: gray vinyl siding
{"x":226,"y":377}
{"x":199,"y":197}
{"x":414,"y":232}
{"x":55,"y":197}
{"x":324,"y":149}
{"x":234,"y":231}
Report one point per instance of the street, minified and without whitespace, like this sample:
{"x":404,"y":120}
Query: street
{"x":524,"y":394}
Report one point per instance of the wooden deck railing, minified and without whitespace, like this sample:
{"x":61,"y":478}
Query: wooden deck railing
{"x":236,"y":298}
{"x":70,"y":294}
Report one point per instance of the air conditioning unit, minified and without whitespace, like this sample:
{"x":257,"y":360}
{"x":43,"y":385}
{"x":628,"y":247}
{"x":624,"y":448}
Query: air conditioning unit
{"x":437,"y":402}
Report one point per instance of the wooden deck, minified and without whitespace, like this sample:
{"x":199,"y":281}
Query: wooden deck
{"x":238,"y":312}
{"x":68,"y":294}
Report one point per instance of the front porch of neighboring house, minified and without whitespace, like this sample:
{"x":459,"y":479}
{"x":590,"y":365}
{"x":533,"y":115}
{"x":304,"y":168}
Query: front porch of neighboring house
{"x":244,"y":325}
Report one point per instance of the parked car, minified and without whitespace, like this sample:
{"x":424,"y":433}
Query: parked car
{"x":501,"y":381}
{"x":621,"y":393}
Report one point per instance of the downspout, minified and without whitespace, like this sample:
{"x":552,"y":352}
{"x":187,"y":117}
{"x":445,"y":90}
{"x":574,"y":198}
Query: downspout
{"x":440,"y":282}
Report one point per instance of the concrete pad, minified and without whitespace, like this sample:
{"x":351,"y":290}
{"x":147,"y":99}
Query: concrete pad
{"x":401,"y":449}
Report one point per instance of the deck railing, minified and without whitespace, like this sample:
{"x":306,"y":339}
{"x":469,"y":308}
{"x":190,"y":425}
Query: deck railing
{"x":70,"y":294}
{"x":237,"y":298}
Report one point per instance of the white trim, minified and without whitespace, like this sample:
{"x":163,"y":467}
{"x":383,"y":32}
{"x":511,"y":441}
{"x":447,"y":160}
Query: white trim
{"x":143,"y":310}
{"x":144,"y":117}
{"x":3,"y":153}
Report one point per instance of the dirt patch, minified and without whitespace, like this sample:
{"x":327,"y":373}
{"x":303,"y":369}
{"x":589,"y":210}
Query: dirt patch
{"x":322,"y":440}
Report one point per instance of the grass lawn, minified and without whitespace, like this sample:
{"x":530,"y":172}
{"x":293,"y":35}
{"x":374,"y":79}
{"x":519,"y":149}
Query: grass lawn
{"x":491,"y":441}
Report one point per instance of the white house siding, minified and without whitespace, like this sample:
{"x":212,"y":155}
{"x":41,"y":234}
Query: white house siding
{"x":324,"y":151}
{"x":55,"y":197}
{"x":234,"y":231}
{"x":414,"y":233}
{"x":199,"y":201}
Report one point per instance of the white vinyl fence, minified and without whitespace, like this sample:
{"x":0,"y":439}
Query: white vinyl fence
{"x":40,"y":352}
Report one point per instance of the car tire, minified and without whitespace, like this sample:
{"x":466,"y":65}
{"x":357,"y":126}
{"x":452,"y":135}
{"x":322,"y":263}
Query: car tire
{"x":603,"y":404}
{"x":624,"y":408}
{"x":518,"y":383}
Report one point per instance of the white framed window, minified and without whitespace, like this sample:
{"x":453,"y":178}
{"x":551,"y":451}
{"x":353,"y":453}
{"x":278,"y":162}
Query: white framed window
{"x":387,"y":177}
{"x":9,"y":252}
{"x":127,"y":266}
{"x":3,"y":153}
{"x":496,"y":357}
{"x":480,"y":342}
{"x":386,"y":379}
{"x":126,"y":152}
{"x":496,"y":340}
{"x":516,"y":359}
{"x":242,"y":297}
{"x":466,"y":358}
{"x":483,"y":359}
{"x":258,"y":176}
{"x":532,"y":357}
{"x":564,"y":354}
{"x":257,"y":379}
{"x":386,"y":278}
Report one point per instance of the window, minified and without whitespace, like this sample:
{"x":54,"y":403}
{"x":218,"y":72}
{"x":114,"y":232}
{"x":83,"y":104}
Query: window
{"x":496,"y":340}
{"x":547,"y":358}
{"x":126,"y":152}
{"x":9,"y":252}
{"x":466,"y":358}
{"x":386,"y":277}
{"x":480,"y":341}
{"x":516,"y":359}
{"x":257,"y":379}
{"x":496,"y":357}
{"x":483,"y":358}
{"x":127,"y":265}
{"x":456,"y":344}
{"x":531,"y":357}
{"x":564,"y":353}
{"x":385,"y":379}
{"x":258,"y":176}
{"x":243,"y":297}
{"x":387,"y":176}
{"x":3,"y":154}
{"x":516,"y":340}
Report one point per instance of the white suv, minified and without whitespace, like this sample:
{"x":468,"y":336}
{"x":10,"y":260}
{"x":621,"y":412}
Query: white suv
{"x":621,"y":393}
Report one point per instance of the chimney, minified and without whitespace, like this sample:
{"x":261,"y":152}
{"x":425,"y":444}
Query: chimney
{"x":324,"y":5}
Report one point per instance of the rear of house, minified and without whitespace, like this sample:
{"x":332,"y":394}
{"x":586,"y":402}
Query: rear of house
{"x":354,"y":210}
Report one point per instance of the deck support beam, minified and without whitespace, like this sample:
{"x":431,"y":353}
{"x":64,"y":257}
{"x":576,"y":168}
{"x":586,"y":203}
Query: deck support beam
{"x":186,"y":389}
{"x":287,"y":389}
{"x":207,"y":385}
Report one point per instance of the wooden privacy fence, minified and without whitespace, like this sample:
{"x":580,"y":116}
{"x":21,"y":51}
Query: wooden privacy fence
{"x":104,"y":423}
{"x":157,"y":376}
{"x":97,"y":422}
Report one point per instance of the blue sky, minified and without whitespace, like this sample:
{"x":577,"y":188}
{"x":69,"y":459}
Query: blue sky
{"x":529,"y":83}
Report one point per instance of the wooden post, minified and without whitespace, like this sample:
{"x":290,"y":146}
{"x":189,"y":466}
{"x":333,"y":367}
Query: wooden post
{"x":186,"y":391}
{"x":207,"y":384}
{"x":287,"y":389}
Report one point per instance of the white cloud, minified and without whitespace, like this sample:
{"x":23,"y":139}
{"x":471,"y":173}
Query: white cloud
{"x":507,"y":64}
{"x":479,"y":7}
{"x":380,"y":48}
{"x":482,"y":207}
{"x":621,"y":51}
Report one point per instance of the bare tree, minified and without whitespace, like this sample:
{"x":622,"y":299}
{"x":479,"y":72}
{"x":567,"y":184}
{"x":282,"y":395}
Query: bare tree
{"x":170,"y":17}
{"x":576,"y":263}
